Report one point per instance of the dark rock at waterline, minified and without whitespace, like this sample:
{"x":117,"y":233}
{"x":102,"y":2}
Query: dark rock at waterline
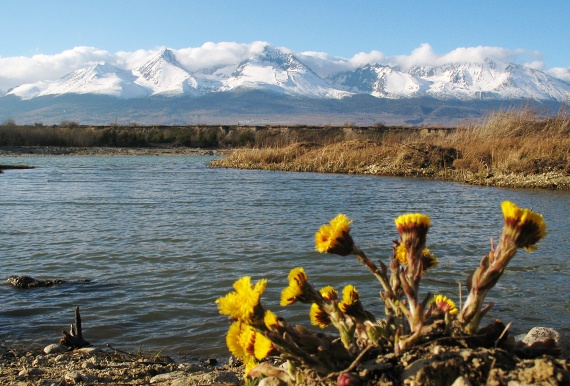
{"x":25,"y":282}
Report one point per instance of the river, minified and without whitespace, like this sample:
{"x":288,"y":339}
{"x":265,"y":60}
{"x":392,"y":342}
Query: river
{"x":160,"y":238}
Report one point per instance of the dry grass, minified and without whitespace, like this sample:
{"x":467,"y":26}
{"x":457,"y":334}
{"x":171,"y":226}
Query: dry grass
{"x":517,"y":148}
{"x":517,"y":141}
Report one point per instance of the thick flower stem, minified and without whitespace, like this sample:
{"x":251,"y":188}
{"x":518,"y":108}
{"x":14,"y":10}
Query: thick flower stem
{"x":381,"y":276}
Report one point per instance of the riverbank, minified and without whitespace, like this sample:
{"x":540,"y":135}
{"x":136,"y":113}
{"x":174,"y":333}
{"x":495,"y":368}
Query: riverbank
{"x":432,"y":364}
{"x":517,"y":149}
{"x":96,"y":366}
{"x":350,"y":157}
{"x":370,"y":158}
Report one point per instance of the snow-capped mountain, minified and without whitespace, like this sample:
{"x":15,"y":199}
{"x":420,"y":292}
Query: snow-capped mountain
{"x":100,"y":78}
{"x":490,"y":80}
{"x":278,"y":71}
{"x":379,"y":81}
{"x":163,"y":75}
{"x":461,"y":81}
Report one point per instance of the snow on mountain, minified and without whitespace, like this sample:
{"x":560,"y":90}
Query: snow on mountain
{"x":276,"y":70}
{"x":279,"y":71}
{"x":461,"y":81}
{"x":379,"y":81}
{"x":164,"y":75}
{"x":100,"y":78}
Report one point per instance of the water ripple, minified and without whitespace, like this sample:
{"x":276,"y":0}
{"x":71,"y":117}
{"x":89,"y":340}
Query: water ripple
{"x":161,"y":238}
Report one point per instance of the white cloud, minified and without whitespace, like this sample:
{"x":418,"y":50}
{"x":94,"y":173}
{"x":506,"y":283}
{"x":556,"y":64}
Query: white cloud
{"x":20,"y":69}
{"x":560,"y":73}
{"x":213,"y":54}
{"x":15,"y":71}
{"x":425,"y":56}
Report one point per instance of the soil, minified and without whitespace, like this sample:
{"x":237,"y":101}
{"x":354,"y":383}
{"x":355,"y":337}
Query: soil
{"x":433,"y":364}
{"x":94,"y":366}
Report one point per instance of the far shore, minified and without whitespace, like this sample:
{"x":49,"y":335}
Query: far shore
{"x":550,"y":180}
{"x":35,"y":151}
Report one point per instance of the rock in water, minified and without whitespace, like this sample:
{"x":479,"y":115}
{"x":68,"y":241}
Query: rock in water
{"x":25,"y":282}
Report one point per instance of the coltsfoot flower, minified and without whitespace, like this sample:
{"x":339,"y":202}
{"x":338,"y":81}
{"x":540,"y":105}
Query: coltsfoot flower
{"x":523,"y":227}
{"x":350,"y":298}
{"x":413,"y":226}
{"x":270,"y":320}
{"x":233,"y":339}
{"x":329,"y":293}
{"x":444,"y":304}
{"x":299,"y":288}
{"x":335,"y":237}
{"x":318,"y":316}
{"x":243,"y":302}
{"x":247,"y":344}
{"x":429,"y":260}
{"x":352,"y":306}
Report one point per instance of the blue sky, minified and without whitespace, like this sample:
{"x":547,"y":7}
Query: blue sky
{"x":537,"y":31}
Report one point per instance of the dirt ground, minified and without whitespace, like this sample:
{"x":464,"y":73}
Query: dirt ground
{"x":450,"y":362}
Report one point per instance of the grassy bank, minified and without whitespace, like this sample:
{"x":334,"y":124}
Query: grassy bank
{"x":517,"y":148}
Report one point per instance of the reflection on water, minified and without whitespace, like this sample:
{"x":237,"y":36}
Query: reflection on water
{"x":161,"y":238}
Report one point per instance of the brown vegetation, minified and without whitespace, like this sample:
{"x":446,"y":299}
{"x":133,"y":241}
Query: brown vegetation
{"x":517,"y":148}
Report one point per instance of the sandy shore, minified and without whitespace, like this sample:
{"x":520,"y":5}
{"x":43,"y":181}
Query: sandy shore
{"x":106,"y":366}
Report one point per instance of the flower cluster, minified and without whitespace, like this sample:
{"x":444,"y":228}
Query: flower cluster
{"x":243,"y":306}
{"x":257,"y":332}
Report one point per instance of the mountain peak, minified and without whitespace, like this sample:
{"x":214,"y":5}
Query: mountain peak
{"x":168,"y":56}
{"x":279,"y":70}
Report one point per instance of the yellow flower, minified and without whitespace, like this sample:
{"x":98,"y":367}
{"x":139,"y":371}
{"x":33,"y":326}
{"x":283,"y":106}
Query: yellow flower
{"x":318,"y":316}
{"x":247,"y":339}
{"x":350,"y":298}
{"x":413,"y":228}
{"x":262,"y":346}
{"x":401,"y":254}
{"x":233,"y":339}
{"x":299,"y":288}
{"x":443,"y":304}
{"x":247,"y":344}
{"x":429,"y":260}
{"x":270,"y":320}
{"x":250,"y":362}
{"x":329,"y":293}
{"x":335,"y":237}
{"x":522,"y":226}
{"x":242,"y":303}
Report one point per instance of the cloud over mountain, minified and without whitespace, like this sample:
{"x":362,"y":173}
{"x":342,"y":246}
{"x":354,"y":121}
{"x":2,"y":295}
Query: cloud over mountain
{"x":15,"y":71}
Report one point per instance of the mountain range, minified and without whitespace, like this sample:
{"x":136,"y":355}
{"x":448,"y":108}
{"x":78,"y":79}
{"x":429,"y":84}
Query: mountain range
{"x":285,"y":86}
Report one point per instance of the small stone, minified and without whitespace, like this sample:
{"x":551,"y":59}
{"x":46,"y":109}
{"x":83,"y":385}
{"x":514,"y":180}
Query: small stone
{"x":271,"y":381}
{"x":60,"y":358}
{"x":39,"y":361}
{"x":190,"y":367}
{"x":168,"y":376}
{"x":461,"y":381}
{"x":90,"y":350}
{"x":91,"y":363}
{"x":30,"y":371}
{"x":74,"y":377}
{"x":54,"y":349}
{"x":540,"y":334}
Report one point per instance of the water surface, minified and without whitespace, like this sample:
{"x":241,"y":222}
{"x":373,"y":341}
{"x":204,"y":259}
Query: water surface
{"x":160,"y":238}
